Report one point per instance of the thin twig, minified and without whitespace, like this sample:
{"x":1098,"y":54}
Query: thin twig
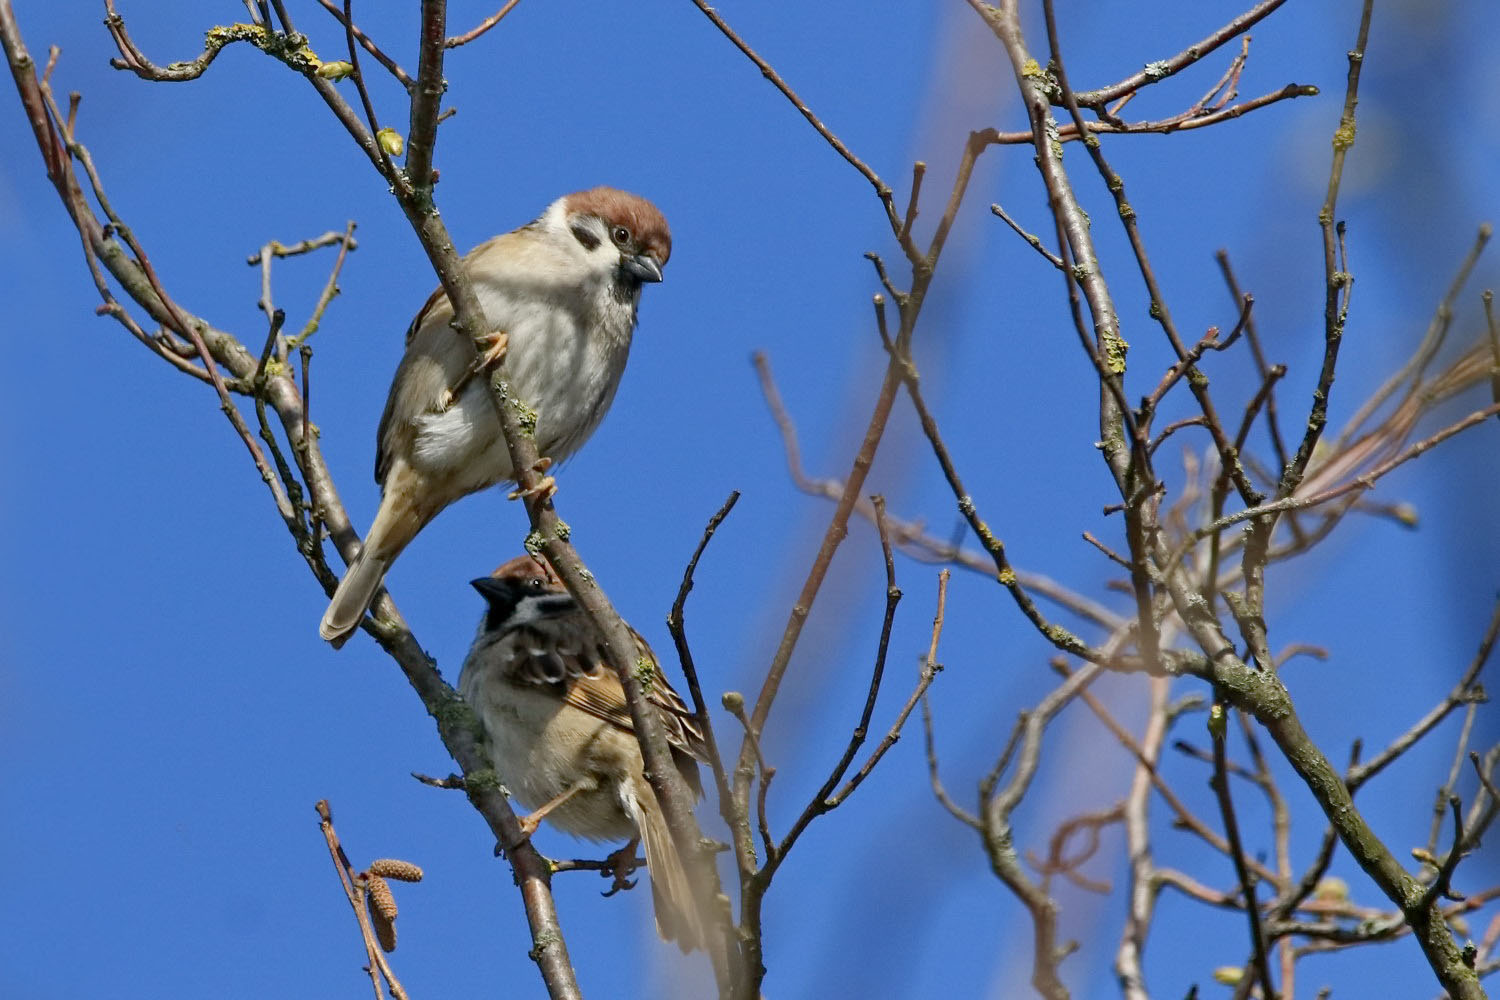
{"x":1033,"y":240}
{"x":1432,"y":339}
{"x":1160,"y":70}
{"x":1252,"y":338}
{"x":824,"y":800}
{"x":483,"y":26}
{"x":1442,"y":885}
{"x":938,"y":790}
{"x":882,"y":189}
{"x":930,"y":670}
{"x":275,"y":248}
{"x":390,"y":64}
{"x":605,"y":866}
{"x":399,"y":181}
{"x":1361,"y":482}
{"x":1336,"y":279}
{"x":1220,"y":785}
{"x":1465,"y":692}
{"x":676,"y":625}
{"x":735,"y":704}
{"x":330,"y":289}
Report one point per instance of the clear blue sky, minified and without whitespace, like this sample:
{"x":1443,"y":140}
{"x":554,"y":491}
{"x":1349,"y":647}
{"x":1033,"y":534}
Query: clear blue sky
{"x":168,"y":715}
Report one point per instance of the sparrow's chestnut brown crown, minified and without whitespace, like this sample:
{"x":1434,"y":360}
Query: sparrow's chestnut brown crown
{"x":636,"y":227}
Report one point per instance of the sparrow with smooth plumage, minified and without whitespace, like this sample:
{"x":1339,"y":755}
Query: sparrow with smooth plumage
{"x":560,"y":296}
{"x":560,"y":733}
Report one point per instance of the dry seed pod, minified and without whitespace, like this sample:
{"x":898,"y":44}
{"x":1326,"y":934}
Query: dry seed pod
{"x":381,"y":900}
{"x":401,"y":871}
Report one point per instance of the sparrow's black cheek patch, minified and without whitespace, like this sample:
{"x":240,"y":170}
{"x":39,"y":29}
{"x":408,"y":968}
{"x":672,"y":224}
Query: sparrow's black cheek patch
{"x":497,"y":616}
{"x":586,"y":236}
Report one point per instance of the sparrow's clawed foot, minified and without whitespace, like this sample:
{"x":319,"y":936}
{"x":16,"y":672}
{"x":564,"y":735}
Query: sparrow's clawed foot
{"x":546,"y":487}
{"x":496,"y":341}
{"x":619,"y":866}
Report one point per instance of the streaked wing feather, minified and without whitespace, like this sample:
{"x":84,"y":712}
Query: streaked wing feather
{"x":585,"y":680}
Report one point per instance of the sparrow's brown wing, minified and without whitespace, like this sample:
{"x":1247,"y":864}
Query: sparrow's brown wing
{"x":564,"y":653}
{"x":435,"y":360}
{"x":432,"y":349}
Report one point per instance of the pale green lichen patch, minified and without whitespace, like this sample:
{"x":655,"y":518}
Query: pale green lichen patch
{"x":544,"y":939}
{"x":483,"y":780}
{"x":1115,"y":348}
{"x":526,"y":415}
{"x":1343,"y":136}
{"x":1060,"y":636}
{"x":290,"y":48}
{"x":1054,"y":137}
{"x":453,"y":714}
{"x":645,"y":673}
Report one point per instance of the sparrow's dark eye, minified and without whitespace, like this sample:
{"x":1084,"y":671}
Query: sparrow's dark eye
{"x":620,"y":235}
{"x":535,"y":583}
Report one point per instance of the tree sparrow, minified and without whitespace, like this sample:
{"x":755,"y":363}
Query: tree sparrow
{"x":560,"y":733}
{"x":560,"y":295}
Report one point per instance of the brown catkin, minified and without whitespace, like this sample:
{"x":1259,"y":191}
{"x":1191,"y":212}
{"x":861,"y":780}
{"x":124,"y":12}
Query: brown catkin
{"x":401,"y":871}
{"x":381,"y":900}
{"x":385,"y":931}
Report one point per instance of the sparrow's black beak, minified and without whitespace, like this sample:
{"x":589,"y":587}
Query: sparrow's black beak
{"x":491,"y":589}
{"x":642,"y":267}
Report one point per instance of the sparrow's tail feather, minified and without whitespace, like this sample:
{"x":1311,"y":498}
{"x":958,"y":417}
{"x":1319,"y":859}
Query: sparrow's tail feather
{"x":404,"y":510}
{"x":671,"y":891}
{"x":354,"y":594}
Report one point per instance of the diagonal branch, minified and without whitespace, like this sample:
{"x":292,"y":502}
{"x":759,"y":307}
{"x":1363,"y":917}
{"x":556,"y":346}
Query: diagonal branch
{"x":1155,"y":72}
{"x":882,"y":189}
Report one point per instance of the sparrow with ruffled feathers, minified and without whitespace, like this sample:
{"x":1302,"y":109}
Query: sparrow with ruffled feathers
{"x":560,"y":733}
{"x":560,"y":295}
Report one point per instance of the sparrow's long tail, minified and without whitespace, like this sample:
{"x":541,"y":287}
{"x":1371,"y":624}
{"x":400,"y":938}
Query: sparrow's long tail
{"x":671,"y":891}
{"x":404,"y":510}
{"x":356,"y":591}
